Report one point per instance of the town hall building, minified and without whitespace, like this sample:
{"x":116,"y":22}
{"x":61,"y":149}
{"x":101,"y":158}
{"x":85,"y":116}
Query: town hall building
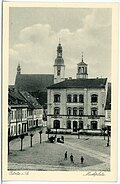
{"x":74,"y":104}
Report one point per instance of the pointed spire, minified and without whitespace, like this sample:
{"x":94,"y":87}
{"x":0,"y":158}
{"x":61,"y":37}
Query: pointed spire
{"x":82,"y":56}
{"x":18,"y":69}
{"x":59,"y":49}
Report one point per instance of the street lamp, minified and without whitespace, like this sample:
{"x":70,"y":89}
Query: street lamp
{"x":22,"y":137}
{"x":78,"y":133}
{"x":40,"y":132}
{"x":31,"y":135}
{"x":56,"y":132}
{"x":104,"y":129}
{"x":48,"y":131}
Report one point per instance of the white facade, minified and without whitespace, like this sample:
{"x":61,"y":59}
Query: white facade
{"x":84,"y":115}
{"x":18,"y":122}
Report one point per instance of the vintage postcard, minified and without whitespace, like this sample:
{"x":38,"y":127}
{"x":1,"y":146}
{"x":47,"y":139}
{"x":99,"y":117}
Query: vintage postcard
{"x":60,"y":91}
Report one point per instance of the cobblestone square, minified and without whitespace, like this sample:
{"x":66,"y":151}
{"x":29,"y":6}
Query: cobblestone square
{"x":50,"y":156}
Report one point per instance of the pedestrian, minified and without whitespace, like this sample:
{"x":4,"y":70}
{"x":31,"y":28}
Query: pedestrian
{"x":65,"y":158}
{"x":71,"y":158}
{"x":82,"y":159}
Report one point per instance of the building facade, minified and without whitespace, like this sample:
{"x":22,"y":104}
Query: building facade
{"x":34,"y":111}
{"x":77,"y":104}
{"x":108,"y":108}
{"x":18,"y":114}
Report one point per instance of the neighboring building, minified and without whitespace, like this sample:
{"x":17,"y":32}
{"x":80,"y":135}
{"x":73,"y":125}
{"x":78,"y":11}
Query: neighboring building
{"x":77,"y":103}
{"x":9,"y":118}
{"x":18,"y":114}
{"x":108,"y":107}
{"x":34,"y":111}
{"x":35,"y":84}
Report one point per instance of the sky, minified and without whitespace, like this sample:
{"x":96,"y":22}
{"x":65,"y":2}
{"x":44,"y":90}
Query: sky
{"x":34,"y":35}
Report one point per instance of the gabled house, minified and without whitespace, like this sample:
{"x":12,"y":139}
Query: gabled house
{"x":18,"y":113}
{"x":34,"y":110}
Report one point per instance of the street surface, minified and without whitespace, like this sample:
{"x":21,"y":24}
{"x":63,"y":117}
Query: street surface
{"x":50,"y":156}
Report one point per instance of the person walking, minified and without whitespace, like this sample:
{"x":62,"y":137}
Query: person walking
{"x":65,"y":158}
{"x":71,"y":158}
{"x":82,"y":159}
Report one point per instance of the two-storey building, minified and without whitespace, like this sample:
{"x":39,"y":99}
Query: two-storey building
{"x":77,"y":103}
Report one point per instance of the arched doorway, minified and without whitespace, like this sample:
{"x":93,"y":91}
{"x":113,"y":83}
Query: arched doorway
{"x":56,"y":124}
{"x":74,"y":126}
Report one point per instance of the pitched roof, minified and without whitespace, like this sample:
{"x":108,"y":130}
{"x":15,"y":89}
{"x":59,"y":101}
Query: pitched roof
{"x":34,"y":82}
{"x":32,"y":102}
{"x":15,"y":98}
{"x":82,"y":63}
{"x":108,"y":99}
{"x":80,"y":83}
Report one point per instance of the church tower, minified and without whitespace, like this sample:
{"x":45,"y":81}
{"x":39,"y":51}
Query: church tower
{"x":82,"y":70}
{"x":18,"y":69}
{"x":59,"y":67}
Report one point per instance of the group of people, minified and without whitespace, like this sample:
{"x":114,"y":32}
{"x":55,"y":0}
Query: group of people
{"x":72,"y":158}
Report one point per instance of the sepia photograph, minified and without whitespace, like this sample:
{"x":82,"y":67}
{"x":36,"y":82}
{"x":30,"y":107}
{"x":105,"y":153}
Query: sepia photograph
{"x":60,"y":91}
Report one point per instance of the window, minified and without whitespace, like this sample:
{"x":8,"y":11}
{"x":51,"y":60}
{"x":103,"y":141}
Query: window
{"x":80,"y":124}
{"x":56,"y":98}
{"x":56,"y":124}
{"x":81,"y":98}
{"x":14,"y":129}
{"x":74,"y":111}
{"x":94,"y":98}
{"x":24,"y":128}
{"x":25,"y":114}
{"x":94,"y":125}
{"x":11,"y":114}
{"x":19,"y":129}
{"x":58,"y":72}
{"x":94,"y":111}
{"x":11,"y":130}
{"x":81,"y":111}
{"x":56,"y":111}
{"x":68,"y":124}
{"x":69,"y":111}
{"x":22,"y":114}
{"x":74,"y":98}
{"x":69,"y":98}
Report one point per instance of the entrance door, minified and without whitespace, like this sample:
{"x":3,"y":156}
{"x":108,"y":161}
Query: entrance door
{"x":74,"y":126}
{"x":80,"y":125}
{"x":56,"y":124}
